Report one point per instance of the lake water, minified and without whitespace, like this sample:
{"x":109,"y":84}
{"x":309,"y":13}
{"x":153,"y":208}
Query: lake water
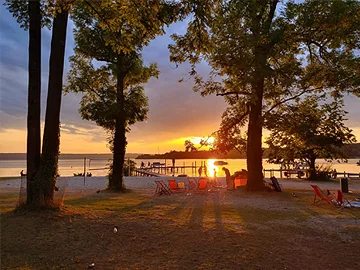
{"x":98,"y":167}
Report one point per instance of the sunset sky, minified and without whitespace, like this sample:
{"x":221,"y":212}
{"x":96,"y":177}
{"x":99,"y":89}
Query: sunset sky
{"x":176,"y":112}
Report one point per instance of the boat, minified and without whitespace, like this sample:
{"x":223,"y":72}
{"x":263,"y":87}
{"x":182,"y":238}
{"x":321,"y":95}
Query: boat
{"x":220,"y":163}
{"x":158,"y":164}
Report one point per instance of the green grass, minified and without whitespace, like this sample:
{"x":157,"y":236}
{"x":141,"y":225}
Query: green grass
{"x":227,"y":230}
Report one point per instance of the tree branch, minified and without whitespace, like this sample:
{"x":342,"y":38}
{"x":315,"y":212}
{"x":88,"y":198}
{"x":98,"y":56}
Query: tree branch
{"x":100,"y":16}
{"x":233,"y":93}
{"x":238,"y":120}
{"x":290,"y":98}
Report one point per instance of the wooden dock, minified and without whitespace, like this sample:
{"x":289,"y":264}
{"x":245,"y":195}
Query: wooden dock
{"x":291,"y":172}
{"x":163,"y":170}
{"x":140,"y":172}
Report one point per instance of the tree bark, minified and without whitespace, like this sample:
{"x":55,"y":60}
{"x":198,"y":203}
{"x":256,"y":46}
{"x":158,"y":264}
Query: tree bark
{"x":116,"y":181}
{"x":51,"y":140}
{"x":34,"y":93}
{"x":254,"y":150}
{"x":312,"y":169}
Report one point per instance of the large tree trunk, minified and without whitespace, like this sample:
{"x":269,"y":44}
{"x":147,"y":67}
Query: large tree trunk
{"x":34,"y":90}
{"x":116,"y":181}
{"x":254,"y":150}
{"x":51,"y":140}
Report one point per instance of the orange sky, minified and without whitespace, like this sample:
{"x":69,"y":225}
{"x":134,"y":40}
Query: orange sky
{"x":14,"y":141}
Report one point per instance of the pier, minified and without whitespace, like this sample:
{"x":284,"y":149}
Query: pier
{"x":163,"y":169}
{"x":290,"y":173}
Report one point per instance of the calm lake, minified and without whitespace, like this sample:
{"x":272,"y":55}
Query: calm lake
{"x":98,"y":167}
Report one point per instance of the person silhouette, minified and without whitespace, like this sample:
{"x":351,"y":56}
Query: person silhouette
{"x":229,"y":183}
{"x":205,"y":170}
{"x":200,"y":170}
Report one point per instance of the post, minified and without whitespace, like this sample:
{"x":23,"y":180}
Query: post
{"x":281,"y":173}
{"x":84,"y":170}
{"x":129,"y":166}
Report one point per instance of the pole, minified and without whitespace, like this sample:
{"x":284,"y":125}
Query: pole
{"x":129,"y":166}
{"x":84,"y":170}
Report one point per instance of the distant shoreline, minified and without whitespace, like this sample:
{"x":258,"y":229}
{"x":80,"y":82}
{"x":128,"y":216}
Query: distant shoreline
{"x":22,"y":156}
{"x":351,"y":150}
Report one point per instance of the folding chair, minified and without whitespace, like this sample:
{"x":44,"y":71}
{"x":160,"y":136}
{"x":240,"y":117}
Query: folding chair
{"x":275,"y":183}
{"x":341,"y":200}
{"x":192,"y":186}
{"x":177,"y":187}
{"x":202,"y":184}
{"x":181,"y":186}
{"x":172,"y":185}
{"x":161,"y":188}
{"x":322,"y":196}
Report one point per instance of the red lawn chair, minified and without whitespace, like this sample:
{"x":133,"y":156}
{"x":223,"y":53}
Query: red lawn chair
{"x":341,"y":200}
{"x":174,"y":186}
{"x":322,"y":196}
{"x":202,"y":184}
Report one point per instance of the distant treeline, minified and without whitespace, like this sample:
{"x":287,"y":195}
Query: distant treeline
{"x":22,"y":156}
{"x":352,"y":151}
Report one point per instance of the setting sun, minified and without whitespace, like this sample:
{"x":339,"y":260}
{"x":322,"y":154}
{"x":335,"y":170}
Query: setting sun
{"x":197,"y":140}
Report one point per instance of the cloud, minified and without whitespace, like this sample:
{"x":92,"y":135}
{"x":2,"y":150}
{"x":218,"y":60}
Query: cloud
{"x":175,"y":110}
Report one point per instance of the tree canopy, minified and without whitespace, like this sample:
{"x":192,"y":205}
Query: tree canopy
{"x":307,"y":130}
{"x":114,"y":33}
{"x":263,"y":54}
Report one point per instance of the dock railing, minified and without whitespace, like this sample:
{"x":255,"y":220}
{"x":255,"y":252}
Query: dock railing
{"x":288,"y":173}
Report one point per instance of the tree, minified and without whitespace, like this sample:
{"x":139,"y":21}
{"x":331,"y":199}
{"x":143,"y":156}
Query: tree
{"x":34,"y":101}
{"x":189,"y":146}
{"x":46,"y":177}
{"x":99,"y":102}
{"x":115,"y":32}
{"x":42,"y":176}
{"x":31,"y":16}
{"x":307,"y":131}
{"x":263,"y":54}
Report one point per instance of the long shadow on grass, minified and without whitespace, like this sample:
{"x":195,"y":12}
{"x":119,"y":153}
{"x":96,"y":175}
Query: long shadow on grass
{"x":217,"y":212}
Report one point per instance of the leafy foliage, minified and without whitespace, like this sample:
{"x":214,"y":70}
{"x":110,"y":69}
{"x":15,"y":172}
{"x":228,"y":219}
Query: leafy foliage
{"x":189,"y":146}
{"x":264,"y":54}
{"x":113,"y":33}
{"x":307,"y":130}
{"x":99,"y":88}
{"x":19,"y":9}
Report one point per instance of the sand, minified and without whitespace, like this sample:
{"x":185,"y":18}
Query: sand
{"x":76,"y":184}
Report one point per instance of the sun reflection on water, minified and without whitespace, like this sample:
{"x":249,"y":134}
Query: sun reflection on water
{"x":211,"y":168}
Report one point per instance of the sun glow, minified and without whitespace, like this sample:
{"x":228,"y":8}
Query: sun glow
{"x":211,"y":168}
{"x":197,"y":140}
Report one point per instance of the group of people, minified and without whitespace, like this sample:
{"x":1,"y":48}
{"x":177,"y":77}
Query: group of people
{"x":203,"y":169}
{"x":143,"y":164}
{"x":229,"y":182}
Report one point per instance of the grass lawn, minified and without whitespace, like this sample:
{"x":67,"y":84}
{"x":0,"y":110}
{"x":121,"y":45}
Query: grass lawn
{"x":220,"y":230}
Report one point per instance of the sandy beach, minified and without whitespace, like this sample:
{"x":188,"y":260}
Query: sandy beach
{"x":76,"y":184}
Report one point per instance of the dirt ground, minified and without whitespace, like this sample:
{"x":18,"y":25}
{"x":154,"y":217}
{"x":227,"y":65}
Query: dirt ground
{"x":215,"y":230}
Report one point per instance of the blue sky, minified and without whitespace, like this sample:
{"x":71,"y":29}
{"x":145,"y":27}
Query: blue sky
{"x":176,"y":112}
